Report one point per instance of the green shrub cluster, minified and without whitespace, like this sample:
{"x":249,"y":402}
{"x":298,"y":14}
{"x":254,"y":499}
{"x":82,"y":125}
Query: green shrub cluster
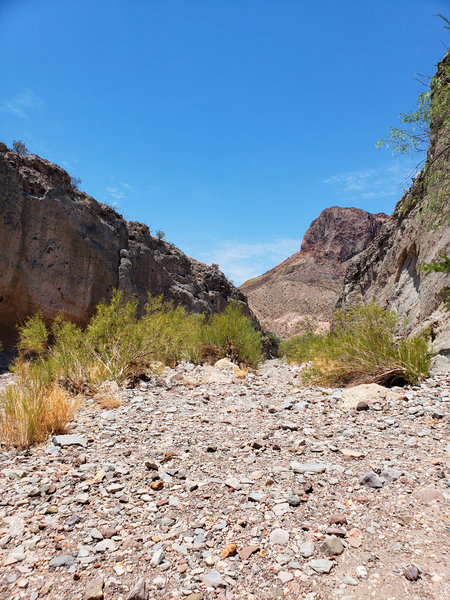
{"x":364,"y":346}
{"x":118,"y":344}
{"x":58,"y":363}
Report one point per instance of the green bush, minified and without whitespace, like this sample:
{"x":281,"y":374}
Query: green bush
{"x":301,"y":348}
{"x":117,"y":344}
{"x":230,"y":334}
{"x":364,"y":346}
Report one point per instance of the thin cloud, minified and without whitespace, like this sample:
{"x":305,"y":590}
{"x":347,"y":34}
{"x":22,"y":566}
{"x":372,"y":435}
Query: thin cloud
{"x":370,"y":183}
{"x":116,"y":193}
{"x":241,"y":261}
{"x":21,"y":105}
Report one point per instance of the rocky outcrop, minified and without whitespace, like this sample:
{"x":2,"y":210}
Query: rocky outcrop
{"x":388,"y":271}
{"x":307,"y":285}
{"x":64,"y":251}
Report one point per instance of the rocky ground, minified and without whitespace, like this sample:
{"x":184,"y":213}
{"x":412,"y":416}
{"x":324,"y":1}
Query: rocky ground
{"x":204,"y":485}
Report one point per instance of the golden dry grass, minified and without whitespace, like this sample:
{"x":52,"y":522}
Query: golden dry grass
{"x":31,"y":409}
{"x":107,"y":401}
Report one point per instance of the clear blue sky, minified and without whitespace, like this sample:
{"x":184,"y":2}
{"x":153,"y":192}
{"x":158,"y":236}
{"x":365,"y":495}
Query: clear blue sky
{"x":229,"y":124}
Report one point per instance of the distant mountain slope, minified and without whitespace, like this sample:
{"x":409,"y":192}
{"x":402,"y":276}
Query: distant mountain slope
{"x":61,"y":250}
{"x":388,"y":271}
{"x":308,"y":283}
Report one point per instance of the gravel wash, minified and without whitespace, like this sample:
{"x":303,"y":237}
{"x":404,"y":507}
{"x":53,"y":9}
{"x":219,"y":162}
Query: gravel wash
{"x":234,"y":488}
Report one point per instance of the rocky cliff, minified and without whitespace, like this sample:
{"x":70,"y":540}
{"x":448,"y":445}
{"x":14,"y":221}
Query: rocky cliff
{"x":61,"y":250}
{"x":307,"y":284}
{"x":388,"y":271}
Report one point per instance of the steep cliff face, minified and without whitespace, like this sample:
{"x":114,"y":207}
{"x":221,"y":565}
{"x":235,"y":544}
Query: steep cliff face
{"x":61,"y":250}
{"x":308,"y":283}
{"x":418,"y":232}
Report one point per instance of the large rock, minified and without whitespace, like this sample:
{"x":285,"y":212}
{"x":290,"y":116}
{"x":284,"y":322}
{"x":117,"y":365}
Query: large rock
{"x":64,"y":251}
{"x":308,"y":284}
{"x":388,"y":271}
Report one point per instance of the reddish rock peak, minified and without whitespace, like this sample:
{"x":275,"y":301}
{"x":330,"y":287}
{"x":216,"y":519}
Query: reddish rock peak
{"x":340,"y":233}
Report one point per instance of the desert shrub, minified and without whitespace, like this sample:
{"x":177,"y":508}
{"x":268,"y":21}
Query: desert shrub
{"x":160,"y":234}
{"x":230,"y":334}
{"x":75,"y":182}
{"x":364,"y":346}
{"x":34,"y":407}
{"x":19,"y":148}
{"x":301,"y":348}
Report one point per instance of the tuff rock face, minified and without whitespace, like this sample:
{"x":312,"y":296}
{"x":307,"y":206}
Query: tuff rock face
{"x":307,"y":284}
{"x":64,"y":251}
{"x":388,"y":271}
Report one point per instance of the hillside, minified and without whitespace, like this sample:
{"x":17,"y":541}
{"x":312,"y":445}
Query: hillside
{"x":307,"y":284}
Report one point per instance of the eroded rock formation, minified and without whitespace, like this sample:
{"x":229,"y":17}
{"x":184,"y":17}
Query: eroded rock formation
{"x":388,"y":271}
{"x":308,"y":283}
{"x":61,"y":250}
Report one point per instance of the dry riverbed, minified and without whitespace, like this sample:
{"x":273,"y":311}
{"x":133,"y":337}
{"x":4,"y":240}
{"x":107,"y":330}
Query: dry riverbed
{"x":204,"y":485}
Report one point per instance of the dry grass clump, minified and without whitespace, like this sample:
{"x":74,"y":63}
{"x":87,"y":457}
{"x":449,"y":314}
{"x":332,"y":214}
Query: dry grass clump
{"x":108,"y":395}
{"x":33,"y":407}
{"x":363,"y":347}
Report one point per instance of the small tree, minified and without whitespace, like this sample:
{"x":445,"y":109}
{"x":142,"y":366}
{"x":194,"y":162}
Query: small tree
{"x":75,"y":182}
{"x":414,"y":136}
{"x":160,"y":235}
{"x":19,"y":148}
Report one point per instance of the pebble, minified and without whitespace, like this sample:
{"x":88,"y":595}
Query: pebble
{"x":213,"y":579}
{"x":298,"y":467}
{"x":307,"y":549}
{"x":94,"y":589}
{"x":279,"y":536}
{"x":332,"y":546}
{"x":411,"y":573}
{"x":321,"y":565}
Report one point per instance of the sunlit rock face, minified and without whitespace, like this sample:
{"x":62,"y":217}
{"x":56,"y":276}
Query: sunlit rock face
{"x":388,"y":271}
{"x":61,"y":250}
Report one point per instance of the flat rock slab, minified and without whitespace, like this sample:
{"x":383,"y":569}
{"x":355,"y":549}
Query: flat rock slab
{"x":65,"y":560}
{"x":368,"y":392}
{"x":70,"y":440}
{"x":314,"y":468}
{"x":429,"y":494}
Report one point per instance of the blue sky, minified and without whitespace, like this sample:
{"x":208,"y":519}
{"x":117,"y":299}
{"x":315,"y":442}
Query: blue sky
{"x":229,"y":124}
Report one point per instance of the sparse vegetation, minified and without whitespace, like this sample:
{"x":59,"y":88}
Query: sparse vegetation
{"x":19,"y":148}
{"x":58,"y":363}
{"x":75,"y":182}
{"x":364,"y":346}
{"x":160,"y":234}
{"x":442,"y":265}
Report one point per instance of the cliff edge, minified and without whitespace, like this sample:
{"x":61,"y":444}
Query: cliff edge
{"x":388,"y":271}
{"x":64,"y":251}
